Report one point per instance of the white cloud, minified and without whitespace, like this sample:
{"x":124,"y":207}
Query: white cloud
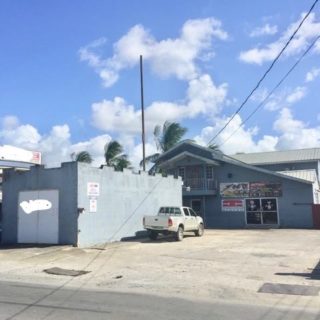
{"x":56,"y":147}
{"x":296,"y":95}
{"x":9,"y":122}
{"x":177,"y":55}
{"x":267,"y":29}
{"x":25,"y":136}
{"x":115,"y":115}
{"x":290,"y":133}
{"x":203,"y":97}
{"x":95,"y":146}
{"x":312,"y":74}
{"x":309,"y":30}
{"x":279,"y":99}
{"x":242,"y":141}
{"x":295,"y":134}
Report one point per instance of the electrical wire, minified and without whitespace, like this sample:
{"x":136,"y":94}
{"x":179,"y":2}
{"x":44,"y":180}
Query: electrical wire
{"x":273,"y":90}
{"x":265,"y":74}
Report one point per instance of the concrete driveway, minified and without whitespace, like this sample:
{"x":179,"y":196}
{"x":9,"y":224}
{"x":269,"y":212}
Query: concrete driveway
{"x":228,"y":265}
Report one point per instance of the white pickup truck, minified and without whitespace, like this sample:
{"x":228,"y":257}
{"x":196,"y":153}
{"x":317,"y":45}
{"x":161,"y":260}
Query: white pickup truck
{"x":174,"y":220}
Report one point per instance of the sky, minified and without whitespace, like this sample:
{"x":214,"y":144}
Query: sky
{"x":69,"y":74}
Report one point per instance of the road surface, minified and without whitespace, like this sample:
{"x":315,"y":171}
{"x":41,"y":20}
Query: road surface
{"x":32,"y":301}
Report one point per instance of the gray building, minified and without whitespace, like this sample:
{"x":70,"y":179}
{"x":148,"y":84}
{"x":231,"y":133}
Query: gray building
{"x":232,"y":193}
{"x":81,"y":205}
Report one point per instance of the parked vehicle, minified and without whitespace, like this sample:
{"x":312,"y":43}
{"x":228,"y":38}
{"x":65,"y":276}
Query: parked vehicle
{"x":173,"y":220}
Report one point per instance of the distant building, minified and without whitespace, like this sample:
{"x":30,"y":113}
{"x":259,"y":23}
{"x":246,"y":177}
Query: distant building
{"x":279,"y":189}
{"x":17,"y":158}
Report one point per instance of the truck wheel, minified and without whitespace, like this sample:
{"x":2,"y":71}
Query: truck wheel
{"x":200,"y":231}
{"x":179,"y":234}
{"x":153,"y":235}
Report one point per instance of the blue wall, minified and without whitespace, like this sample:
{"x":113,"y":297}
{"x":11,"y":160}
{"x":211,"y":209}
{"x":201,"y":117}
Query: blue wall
{"x":294,"y":205}
{"x":63,"y":179}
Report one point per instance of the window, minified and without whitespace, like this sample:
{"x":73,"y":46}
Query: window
{"x":193,"y":214}
{"x":170,"y":210}
{"x":186,"y":212}
{"x":262,"y":211}
{"x":181,"y":172}
{"x":209,"y":172}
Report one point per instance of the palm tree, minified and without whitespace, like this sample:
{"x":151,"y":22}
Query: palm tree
{"x":82,"y":156}
{"x":114,"y":156}
{"x":166,"y":137}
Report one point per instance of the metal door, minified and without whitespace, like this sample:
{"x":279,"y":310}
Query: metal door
{"x":316,"y":215}
{"x":38,"y":217}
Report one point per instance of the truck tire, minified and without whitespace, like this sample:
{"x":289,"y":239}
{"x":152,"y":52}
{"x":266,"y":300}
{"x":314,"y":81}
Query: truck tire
{"x":200,"y":231}
{"x":153,"y":235}
{"x":179,"y":233}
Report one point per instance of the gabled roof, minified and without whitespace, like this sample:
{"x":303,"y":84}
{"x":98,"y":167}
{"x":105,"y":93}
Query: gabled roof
{"x":285,"y":156}
{"x":190,"y":147}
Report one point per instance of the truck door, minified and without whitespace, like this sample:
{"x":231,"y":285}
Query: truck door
{"x":187,"y":220}
{"x":193,"y":220}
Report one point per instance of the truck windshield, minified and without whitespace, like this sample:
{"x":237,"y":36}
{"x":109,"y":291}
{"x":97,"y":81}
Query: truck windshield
{"x":170,"y":210}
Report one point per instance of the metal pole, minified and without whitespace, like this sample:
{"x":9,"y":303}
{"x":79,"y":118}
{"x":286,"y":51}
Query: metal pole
{"x":142,"y":116}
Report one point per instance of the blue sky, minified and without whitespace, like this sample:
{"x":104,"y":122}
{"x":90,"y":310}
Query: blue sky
{"x":69,"y":76}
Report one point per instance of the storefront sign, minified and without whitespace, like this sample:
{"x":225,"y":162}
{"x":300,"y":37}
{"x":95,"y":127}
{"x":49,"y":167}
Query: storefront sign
{"x":10,"y":153}
{"x":234,"y":190}
{"x":232,"y":205}
{"x":265,"y":189}
{"x":93,"y":189}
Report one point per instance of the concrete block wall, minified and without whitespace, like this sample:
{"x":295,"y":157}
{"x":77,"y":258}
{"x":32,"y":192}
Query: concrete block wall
{"x":123,"y":200}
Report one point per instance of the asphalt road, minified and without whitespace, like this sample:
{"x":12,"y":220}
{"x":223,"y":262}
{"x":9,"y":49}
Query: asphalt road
{"x":28,"y":301}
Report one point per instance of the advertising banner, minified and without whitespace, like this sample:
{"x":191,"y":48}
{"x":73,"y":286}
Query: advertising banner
{"x":265,"y":189}
{"x":232,"y":205}
{"x":234,"y":190}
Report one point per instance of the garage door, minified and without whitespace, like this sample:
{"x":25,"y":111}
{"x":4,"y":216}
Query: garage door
{"x":38,"y":217}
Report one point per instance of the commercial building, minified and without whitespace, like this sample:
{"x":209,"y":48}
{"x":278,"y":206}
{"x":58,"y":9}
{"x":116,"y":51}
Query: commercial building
{"x":81,"y":205}
{"x":276,"y":189}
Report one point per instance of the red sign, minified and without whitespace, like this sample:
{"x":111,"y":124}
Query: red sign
{"x":232,"y":205}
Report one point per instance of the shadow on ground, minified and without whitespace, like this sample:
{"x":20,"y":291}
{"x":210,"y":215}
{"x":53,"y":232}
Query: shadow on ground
{"x":313,"y":275}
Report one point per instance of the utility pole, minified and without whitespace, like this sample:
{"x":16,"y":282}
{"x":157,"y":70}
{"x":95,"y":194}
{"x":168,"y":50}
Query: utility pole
{"x":142,"y":116}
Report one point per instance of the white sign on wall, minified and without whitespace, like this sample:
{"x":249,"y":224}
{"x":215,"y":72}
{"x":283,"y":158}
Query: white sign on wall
{"x":11,"y":153}
{"x":93,"y":189}
{"x":93,"y":205}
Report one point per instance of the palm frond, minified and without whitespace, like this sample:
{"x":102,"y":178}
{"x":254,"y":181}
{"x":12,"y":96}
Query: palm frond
{"x":172,"y":135}
{"x":112,"y":150}
{"x":122,"y":162}
{"x":83,"y":156}
{"x":157,"y":133}
{"x":152,"y":158}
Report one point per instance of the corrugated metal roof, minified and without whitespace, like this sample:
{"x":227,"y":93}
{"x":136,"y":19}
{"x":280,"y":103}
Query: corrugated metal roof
{"x":308,"y":175}
{"x":279,"y":156}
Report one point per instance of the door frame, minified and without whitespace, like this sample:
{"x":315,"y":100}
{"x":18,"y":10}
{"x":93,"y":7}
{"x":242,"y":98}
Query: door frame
{"x":275,"y":225}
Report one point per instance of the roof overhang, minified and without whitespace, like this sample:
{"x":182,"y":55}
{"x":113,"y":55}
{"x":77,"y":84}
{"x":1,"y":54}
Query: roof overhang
{"x":186,"y":154}
{"x":19,"y":165}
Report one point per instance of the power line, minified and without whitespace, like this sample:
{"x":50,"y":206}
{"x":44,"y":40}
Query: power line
{"x":273,"y":90}
{"x":266,"y":73}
